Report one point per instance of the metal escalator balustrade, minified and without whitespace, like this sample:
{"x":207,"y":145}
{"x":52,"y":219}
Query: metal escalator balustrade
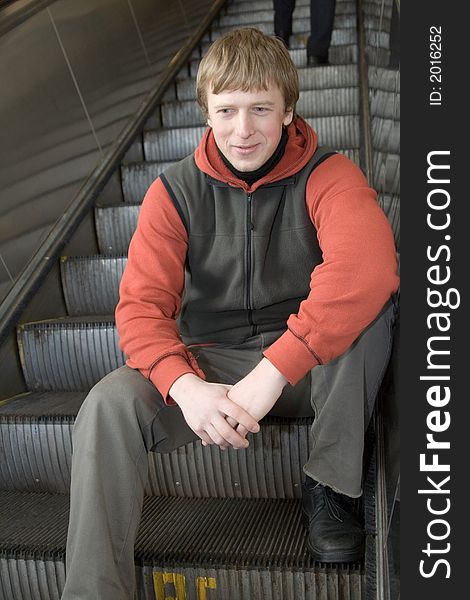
{"x":215,"y":524}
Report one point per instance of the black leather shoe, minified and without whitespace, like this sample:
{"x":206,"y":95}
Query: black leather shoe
{"x":334,"y":532}
{"x":317,"y":61}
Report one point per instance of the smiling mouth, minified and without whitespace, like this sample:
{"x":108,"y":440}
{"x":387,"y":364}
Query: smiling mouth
{"x":246,"y":149}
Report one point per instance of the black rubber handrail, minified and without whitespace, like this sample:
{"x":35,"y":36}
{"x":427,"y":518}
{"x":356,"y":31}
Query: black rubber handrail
{"x":40,"y":264}
{"x":15,"y":13}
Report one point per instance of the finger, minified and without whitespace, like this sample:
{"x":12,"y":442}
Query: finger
{"x":233,"y":438}
{"x":242,"y":430}
{"x":217,"y":437}
{"x":240,"y":415}
{"x":231,"y":422}
{"x":206,"y":440}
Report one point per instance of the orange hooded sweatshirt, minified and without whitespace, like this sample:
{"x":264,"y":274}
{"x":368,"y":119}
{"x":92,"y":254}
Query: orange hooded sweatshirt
{"x":347,"y":290}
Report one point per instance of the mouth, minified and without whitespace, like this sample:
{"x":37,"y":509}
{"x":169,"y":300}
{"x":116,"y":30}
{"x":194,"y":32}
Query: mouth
{"x":245,"y":150}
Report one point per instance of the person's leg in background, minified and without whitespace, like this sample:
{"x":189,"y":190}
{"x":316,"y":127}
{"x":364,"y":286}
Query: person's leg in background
{"x":283,"y":10}
{"x":322,"y":16}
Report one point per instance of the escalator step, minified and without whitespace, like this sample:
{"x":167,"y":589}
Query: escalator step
{"x":387,"y":80}
{"x":69,"y":354}
{"x":91,"y":283}
{"x":311,"y":103}
{"x":337,"y":132}
{"x":181,"y":114}
{"x":247,"y":549}
{"x":386,"y":172}
{"x":377,"y":9}
{"x":338,"y":55}
{"x":301,"y":27}
{"x":115,"y":226}
{"x":390,"y":204}
{"x":385,"y":135}
{"x":36,"y":438}
{"x":135,"y":183}
{"x":384,"y":104}
{"x":137,"y":177}
{"x":173,"y":144}
{"x":332,"y":76}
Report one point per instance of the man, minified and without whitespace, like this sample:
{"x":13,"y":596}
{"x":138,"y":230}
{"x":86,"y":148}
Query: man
{"x":259,"y":276}
{"x":322,"y":16}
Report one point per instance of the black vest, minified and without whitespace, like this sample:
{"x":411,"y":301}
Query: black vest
{"x":250,"y":255}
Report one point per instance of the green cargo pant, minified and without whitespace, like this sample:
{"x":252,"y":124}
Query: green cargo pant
{"x":124,"y":417}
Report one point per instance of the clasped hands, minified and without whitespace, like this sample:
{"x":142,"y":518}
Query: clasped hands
{"x":223,"y":414}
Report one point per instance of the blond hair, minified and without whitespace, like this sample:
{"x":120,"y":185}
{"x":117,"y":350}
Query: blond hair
{"x":247,"y":59}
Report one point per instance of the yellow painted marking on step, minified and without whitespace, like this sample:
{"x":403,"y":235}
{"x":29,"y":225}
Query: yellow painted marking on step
{"x":202,"y":583}
{"x":178,"y":580}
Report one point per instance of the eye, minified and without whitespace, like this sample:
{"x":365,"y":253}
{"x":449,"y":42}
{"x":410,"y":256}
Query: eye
{"x":224,"y":111}
{"x":260,"y":109}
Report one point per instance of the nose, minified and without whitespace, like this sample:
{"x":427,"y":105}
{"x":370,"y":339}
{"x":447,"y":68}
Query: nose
{"x":244,"y":125}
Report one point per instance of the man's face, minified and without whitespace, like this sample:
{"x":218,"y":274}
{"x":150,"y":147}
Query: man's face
{"x":247,"y":126}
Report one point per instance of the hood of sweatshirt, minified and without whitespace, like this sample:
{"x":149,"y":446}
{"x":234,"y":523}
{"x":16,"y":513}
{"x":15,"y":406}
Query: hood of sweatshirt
{"x":301,"y":144}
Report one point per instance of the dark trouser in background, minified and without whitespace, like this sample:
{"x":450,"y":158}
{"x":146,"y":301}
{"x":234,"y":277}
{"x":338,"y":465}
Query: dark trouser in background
{"x":322,"y":16}
{"x":124,"y":417}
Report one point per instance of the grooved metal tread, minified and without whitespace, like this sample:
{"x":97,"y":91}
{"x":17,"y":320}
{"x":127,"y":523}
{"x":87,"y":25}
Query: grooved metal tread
{"x":91,"y":283}
{"x":241,"y":532}
{"x":115,"y":226}
{"x":36,"y":442}
{"x":41,"y":406}
{"x":68,"y":354}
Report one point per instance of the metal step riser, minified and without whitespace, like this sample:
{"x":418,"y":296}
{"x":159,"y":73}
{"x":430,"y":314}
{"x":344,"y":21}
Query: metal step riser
{"x":300,"y":21}
{"x":387,"y":80}
{"x":386,"y":173}
{"x":311,"y":103}
{"x":333,"y":76}
{"x":385,"y":135}
{"x":250,"y":584}
{"x":57,"y":358}
{"x":338,"y":55}
{"x":137,"y":179}
{"x":342,"y":7}
{"x":385,"y":105}
{"x":91,"y":286}
{"x":31,"y":579}
{"x":37,"y":458}
{"x":301,"y":27}
{"x":337,"y":132}
{"x":115,"y":227}
{"x":172,"y":144}
{"x":390,"y":204}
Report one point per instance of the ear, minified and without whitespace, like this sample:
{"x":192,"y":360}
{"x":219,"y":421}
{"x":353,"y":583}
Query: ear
{"x":288,"y":117}
{"x":208,"y":122}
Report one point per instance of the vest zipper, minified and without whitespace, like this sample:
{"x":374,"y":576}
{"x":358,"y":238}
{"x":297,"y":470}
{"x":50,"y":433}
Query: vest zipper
{"x":249,"y":234}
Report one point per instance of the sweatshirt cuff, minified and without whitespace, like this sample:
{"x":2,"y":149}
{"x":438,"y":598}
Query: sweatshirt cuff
{"x":291,"y":357}
{"x":171,"y":368}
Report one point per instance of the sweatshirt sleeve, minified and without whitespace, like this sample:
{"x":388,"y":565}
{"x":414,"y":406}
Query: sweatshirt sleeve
{"x":150,"y":294}
{"x":356,"y":278}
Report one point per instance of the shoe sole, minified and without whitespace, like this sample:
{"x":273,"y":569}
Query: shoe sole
{"x":355,"y":554}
